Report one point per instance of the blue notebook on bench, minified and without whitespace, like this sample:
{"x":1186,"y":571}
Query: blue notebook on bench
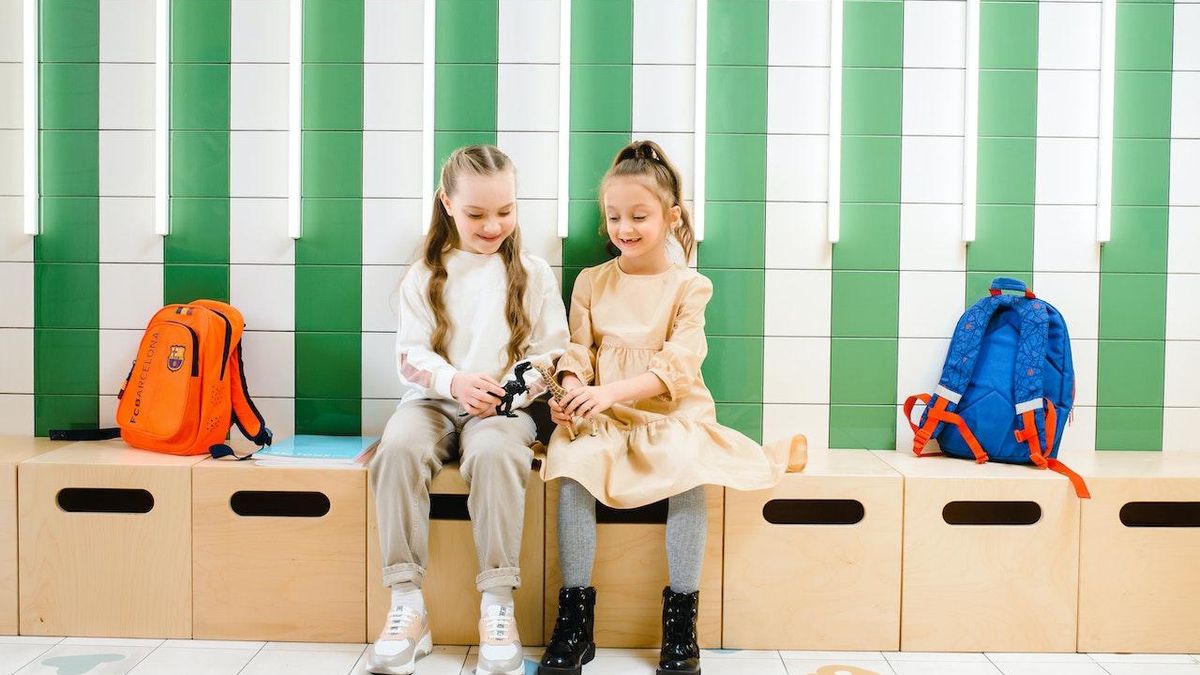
{"x":320,"y":450}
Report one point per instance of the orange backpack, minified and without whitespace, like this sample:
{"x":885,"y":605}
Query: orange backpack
{"x":186,"y":385}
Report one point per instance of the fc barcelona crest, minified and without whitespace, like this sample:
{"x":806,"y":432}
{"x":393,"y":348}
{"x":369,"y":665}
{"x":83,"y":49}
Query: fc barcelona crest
{"x":175,"y":358}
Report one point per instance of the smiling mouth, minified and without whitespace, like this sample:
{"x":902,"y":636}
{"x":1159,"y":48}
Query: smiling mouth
{"x":629,"y":242}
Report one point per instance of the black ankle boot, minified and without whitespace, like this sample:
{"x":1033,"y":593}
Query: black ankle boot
{"x":573,"y":643}
{"x":680,"y":653}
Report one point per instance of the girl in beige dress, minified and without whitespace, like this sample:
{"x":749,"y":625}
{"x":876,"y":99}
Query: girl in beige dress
{"x":632,"y":372}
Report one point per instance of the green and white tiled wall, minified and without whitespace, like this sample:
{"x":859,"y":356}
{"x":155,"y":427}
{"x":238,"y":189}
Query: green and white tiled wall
{"x":804,"y":335}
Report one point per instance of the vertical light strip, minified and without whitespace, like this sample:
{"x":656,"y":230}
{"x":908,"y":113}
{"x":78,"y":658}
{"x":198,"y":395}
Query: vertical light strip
{"x":971,"y":124}
{"x":834,"y":215}
{"x":428,"y":72}
{"x":1108,"y":74}
{"x":564,"y":117}
{"x":162,"y":120}
{"x":700,"y":133}
{"x":295,"y":108}
{"x":29,"y":137}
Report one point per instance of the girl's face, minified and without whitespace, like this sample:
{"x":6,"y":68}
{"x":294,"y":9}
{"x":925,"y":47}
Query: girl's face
{"x":637,"y":223}
{"x":484,"y":209}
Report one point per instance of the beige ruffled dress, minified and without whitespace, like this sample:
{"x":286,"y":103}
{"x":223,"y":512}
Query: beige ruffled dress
{"x":638,"y":452}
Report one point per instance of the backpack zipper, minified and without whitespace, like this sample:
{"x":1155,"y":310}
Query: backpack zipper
{"x":195,"y":347}
{"x":228,"y":339}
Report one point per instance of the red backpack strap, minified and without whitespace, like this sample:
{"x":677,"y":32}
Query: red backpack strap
{"x":1028,"y":434}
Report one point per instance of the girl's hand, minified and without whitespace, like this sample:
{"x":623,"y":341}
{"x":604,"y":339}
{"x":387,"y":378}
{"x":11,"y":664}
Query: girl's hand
{"x":570,"y":382}
{"x":560,"y":418}
{"x":476,"y":392}
{"x":587,"y":402}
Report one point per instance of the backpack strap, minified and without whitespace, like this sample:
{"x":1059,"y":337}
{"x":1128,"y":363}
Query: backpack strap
{"x":245,"y":415}
{"x":96,"y":434}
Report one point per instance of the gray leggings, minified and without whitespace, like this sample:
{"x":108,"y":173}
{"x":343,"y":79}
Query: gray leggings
{"x":687,"y":528}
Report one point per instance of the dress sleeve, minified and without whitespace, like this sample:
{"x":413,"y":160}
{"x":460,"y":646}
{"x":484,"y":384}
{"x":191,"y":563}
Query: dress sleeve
{"x":418,"y":365}
{"x":580,"y":356}
{"x":677,"y":364}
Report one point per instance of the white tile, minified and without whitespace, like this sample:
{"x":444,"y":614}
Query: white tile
{"x":1068,"y":103}
{"x":149,"y":643}
{"x":1136,"y":668}
{"x":258,"y":231}
{"x":379,"y":378}
{"x":1066,"y":170}
{"x":15,"y":656}
{"x":681,"y":149}
{"x":445,"y":660}
{"x":127,"y":31}
{"x":331,"y":647}
{"x":126,"y":96}
{"x":790,"y":655}
{"x":936,"y":657}
{"x":932,"y":169}
{"x":1182,"y":371}
{"x":258,"y":31}
{"x":10,"y":31}
{"x":126,"y":163}
{"x":1068,"y":35}
{"x":84,"y":658}
{"x":129,"y":294}
{"x":797,"y":100}
{"x":1064,"y":239}
{"x":15,"y":245}
{"x":528,"y":31}
{"x":392,"y":31}
{"x":16,"y":414}
{"x":739,"y":654}
{"x":1076,"y":295}
{"x":278,"y":413}
{"x":796,"y":370}
{"x":270,"y":362}
{"x":16,"y":302}
{"x":106,"y":407}
{"x":258,"y":163}
{"x":1183,"y":240}
{"x":297,"y":662}
{"x":265,"y":294}
{"x":798,"y":33}
{"x":1080,"y":433}
{"x":11,"y":106}
{"x":1187,"y":23}
{"x":118,"y":351}
{"x":376,"y":412}
{"x":258,"y":96}
{"x":797,"y":236}
{"x":664,"y":31}
{"x":1185,"y":104}
{"x":127,"y":230}
{"x":212,"y":644}
{"x":739,"y":666}
{"x":931,"y":303}
{"x":999,"y":658}
{"x":1157,"y":659}
{"x":931,"y":237}
{"x":16,"y":360}
{"x":539,"y":229}
{"x":1183,"y":321}
{"x":797,"y":303}
{"x":535,"y":155}
{"x":797,"y":168}
{"x":940,"y":668}
{"x":934,"y":34}
{"x":663,"y":98}
{"x":933,"y":101}
{"x":1018,"y":668}
{"x":1185,"y":172}
{"x":392,"y":96}
{"x":1179,"y":429}
{"x":391,"y":164}
{"x":178,"y":661}
{"x":836,"y":666}
{"x":11,"y":172}
{"x":380,"y":297}
{"x":391,"y":230}
{"x":920,"y":368}
{"x":1085,"y":358}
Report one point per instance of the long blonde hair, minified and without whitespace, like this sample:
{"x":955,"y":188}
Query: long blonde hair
{"x":647,"y":161}
{"x":475,"y":160}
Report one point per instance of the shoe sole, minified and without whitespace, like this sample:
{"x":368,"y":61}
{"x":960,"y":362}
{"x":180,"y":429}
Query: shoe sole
{"x":424,"y":648}
{"x":660,"y":671}
{"x":587,"y":658}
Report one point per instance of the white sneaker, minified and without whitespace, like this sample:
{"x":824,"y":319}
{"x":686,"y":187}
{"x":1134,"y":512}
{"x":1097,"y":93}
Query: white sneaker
{"x":499,"y":645}
{"x":404,"y":639}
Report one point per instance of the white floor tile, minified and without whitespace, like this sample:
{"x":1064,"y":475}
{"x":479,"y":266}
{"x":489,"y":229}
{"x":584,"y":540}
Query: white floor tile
{"x":127,"y":231}
{"x":933,"y":101}
{"x":1073,"y":668}
{"x":258,"y":163}
{"x":126,"y":96}
{"x":740,"y":654}
{"x":526,"y":97}
{"x":258,"y":231}
{"x":213,"y":644}
{"x":797,"y":168}
{"x":151,"y":643}
{"x":127,"y":31}
{"x":85,"y":658}
{"x":270,"y":363}
{"x":392,"y":31}
{"x":129,"y":295}
{"x":16,"y":360}
{"x":258,"y":96}
{"x":392,"y":96}
{"x":1158,"y":659}
{"x":782,"y":421}
{"x":785,"y":316}
{"x":797,"y":100}
{"x":932,"y":169}
{"x":789,"y":655}
{"x":29,"y":640}
{"x":796,"y":370}
{"x":207,"y":661}
{"x":528,"y":31}
{"x":1152,"y":669}
{"x":836,"y":666}
{"x":653,"y":44}
{"x":302,"y":661}
{"x":126,"y":161}
{"x":15,"y":656}
{"x":381,"y":297}
{"x":331,"y":647}
{"x":258,"y":31}
{"x":739,"y":666}
{"x":934,"y":34}
{"x":391,"y":231}
{"x":1037,"y":657}
{"x":942,"y":668}
{"x":392,"y":164}
{"x":940,"y":657}
{"x":1069,"y":36}
{"x":798,"y":33}
{"x":535,"y":154}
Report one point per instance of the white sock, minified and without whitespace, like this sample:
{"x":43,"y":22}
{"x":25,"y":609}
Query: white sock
{"x":496,"y":596}
{"x":407,"y":594}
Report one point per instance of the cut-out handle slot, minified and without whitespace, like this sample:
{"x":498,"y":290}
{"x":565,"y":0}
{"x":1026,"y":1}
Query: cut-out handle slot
{"x":448,"y":507}
{"x":279,"y":504}
{"x":105,"y":500}
{"x":991,"y":513}
{"x":813,"y":512}
{"x":1161,"y":514}
{"x":650,"y":514}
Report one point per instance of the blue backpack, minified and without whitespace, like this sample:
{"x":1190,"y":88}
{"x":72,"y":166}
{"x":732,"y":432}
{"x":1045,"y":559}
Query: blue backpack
{"x":1007,"y":387}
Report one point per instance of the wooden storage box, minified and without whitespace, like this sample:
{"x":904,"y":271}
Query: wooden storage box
{"x":105,"y":543}
{"x":13,"y":451}
{"x":278,"y":552}
{"x":814,"y":563}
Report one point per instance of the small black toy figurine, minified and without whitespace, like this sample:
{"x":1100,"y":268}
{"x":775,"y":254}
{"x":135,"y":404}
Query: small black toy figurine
{"x":512,"y":388}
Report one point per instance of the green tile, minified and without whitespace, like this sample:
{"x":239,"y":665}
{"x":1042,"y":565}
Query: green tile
{"x":65,"y":412}
{"x":199,"y":96}
{"x":873,"y":35}
{"x":1144,"y":36}
{"x":1003,"y":238}
{"x":871,"y":169}
{"x":332,"y":232}
{"x":446,"y":142}
{"x":199,"y":231}
{"x":737,"y":304}
{"x":744,"y":417}
{"x":870,"y":238}
{"x":734,"y":235}
{"x":332,"y":164}
{"x":328,"y":416}
{"x":465,"y":98}
{"x":602,"y":31}
{"x":328,"y":298}
{"x":1130,"y":373}
{"x":185,"y":283}
{"x":1008,"y":35}
{"x":737,"y":32}
{"x":66,"y":361}
{"x":1006,"y":170}
{"x":70,"y":31}
{"x":70,"y":230}
{"x":591,"y":156}
{"x":978,"y":283}
{"x":70,"y":95}
{"x":200,"y":163}
{"x":737,"y":99}
{"x":737,"y":167}
{"x":1133,"y":306}
{"x":70,"y":163}
{"x":870,"y":427}
{"x":328,"y":365}
{"x":733,"y":369}
{"x":1139,"y":240}
{"x":1143,"y":104}
{"x":863,"y":371}
{"x":200,"y":31}
{"x":66,"y":295}
{"x":601,"y":98}
{"x":584,"y":246}
{"x":1008,"y":103}
{"x":866,"y":304}
{"x":1141,"y":172}
{"x":467,"y":31}
{"x":1129,"y":429}
{"x":333,"y":95}
{"x":333,"y":31}
{"x":871,"y":101}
